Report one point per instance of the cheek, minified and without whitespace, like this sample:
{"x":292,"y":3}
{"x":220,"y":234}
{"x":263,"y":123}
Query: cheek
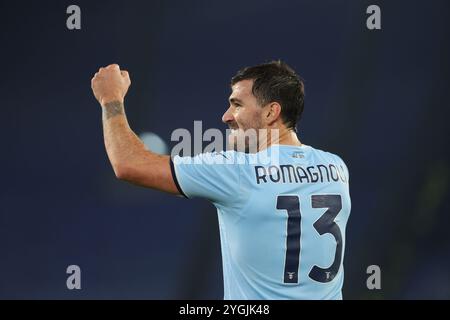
{"x":245,"y":119}
{"x":250,"y":120}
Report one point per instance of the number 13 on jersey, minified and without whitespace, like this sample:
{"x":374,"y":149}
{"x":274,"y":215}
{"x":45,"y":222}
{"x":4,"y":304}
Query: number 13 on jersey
{"x":324,"y":224}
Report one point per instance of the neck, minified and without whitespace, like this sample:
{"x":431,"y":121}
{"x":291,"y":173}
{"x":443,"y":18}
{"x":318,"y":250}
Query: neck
{"x":281,"y":136}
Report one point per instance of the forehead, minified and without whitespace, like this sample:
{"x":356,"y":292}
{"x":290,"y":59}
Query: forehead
{"x":242,"y":90}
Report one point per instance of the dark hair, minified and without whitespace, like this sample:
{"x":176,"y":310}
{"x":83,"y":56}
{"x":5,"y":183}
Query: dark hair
{"x":275,"y":81}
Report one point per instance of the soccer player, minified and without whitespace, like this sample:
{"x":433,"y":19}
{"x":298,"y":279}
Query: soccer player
{"x":282,"y":208}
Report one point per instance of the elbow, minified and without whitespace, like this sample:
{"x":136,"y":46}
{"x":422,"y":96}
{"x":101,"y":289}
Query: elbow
{"x":128,"y":174}
{"x":121,"y":172}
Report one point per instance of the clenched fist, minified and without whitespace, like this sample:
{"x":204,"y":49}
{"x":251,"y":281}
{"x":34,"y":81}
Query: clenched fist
{"x":110,"y":84}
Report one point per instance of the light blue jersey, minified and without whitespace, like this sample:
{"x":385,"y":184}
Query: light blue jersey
{"x":282,"y":217}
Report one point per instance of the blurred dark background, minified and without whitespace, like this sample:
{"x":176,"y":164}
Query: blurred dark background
{"x":377,"y":98}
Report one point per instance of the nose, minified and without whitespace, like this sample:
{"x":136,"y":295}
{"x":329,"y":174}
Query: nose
{"x":227,"y":116}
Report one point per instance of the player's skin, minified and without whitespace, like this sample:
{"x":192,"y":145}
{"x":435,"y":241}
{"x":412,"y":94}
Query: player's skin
{"x":130,"y":158}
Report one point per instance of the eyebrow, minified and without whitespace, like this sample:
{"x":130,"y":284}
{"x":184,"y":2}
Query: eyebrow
{"x":235,"y":100}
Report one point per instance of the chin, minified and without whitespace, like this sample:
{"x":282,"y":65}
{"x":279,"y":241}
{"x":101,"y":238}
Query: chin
{"x":239,"y":147}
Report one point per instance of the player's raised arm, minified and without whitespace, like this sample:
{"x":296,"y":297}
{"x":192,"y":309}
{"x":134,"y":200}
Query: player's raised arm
{"x":129,"y":157}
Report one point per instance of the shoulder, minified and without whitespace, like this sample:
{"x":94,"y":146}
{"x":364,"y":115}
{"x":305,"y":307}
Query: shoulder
{"x":328,"y":155}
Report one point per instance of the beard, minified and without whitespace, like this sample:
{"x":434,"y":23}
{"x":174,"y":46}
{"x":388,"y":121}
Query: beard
{"x":245,"y":140}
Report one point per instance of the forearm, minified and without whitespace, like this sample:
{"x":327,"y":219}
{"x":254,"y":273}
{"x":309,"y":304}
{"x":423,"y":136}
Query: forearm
{"x":122,"y":144}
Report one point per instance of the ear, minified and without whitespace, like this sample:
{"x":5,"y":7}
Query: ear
{"x":272,"y":113}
